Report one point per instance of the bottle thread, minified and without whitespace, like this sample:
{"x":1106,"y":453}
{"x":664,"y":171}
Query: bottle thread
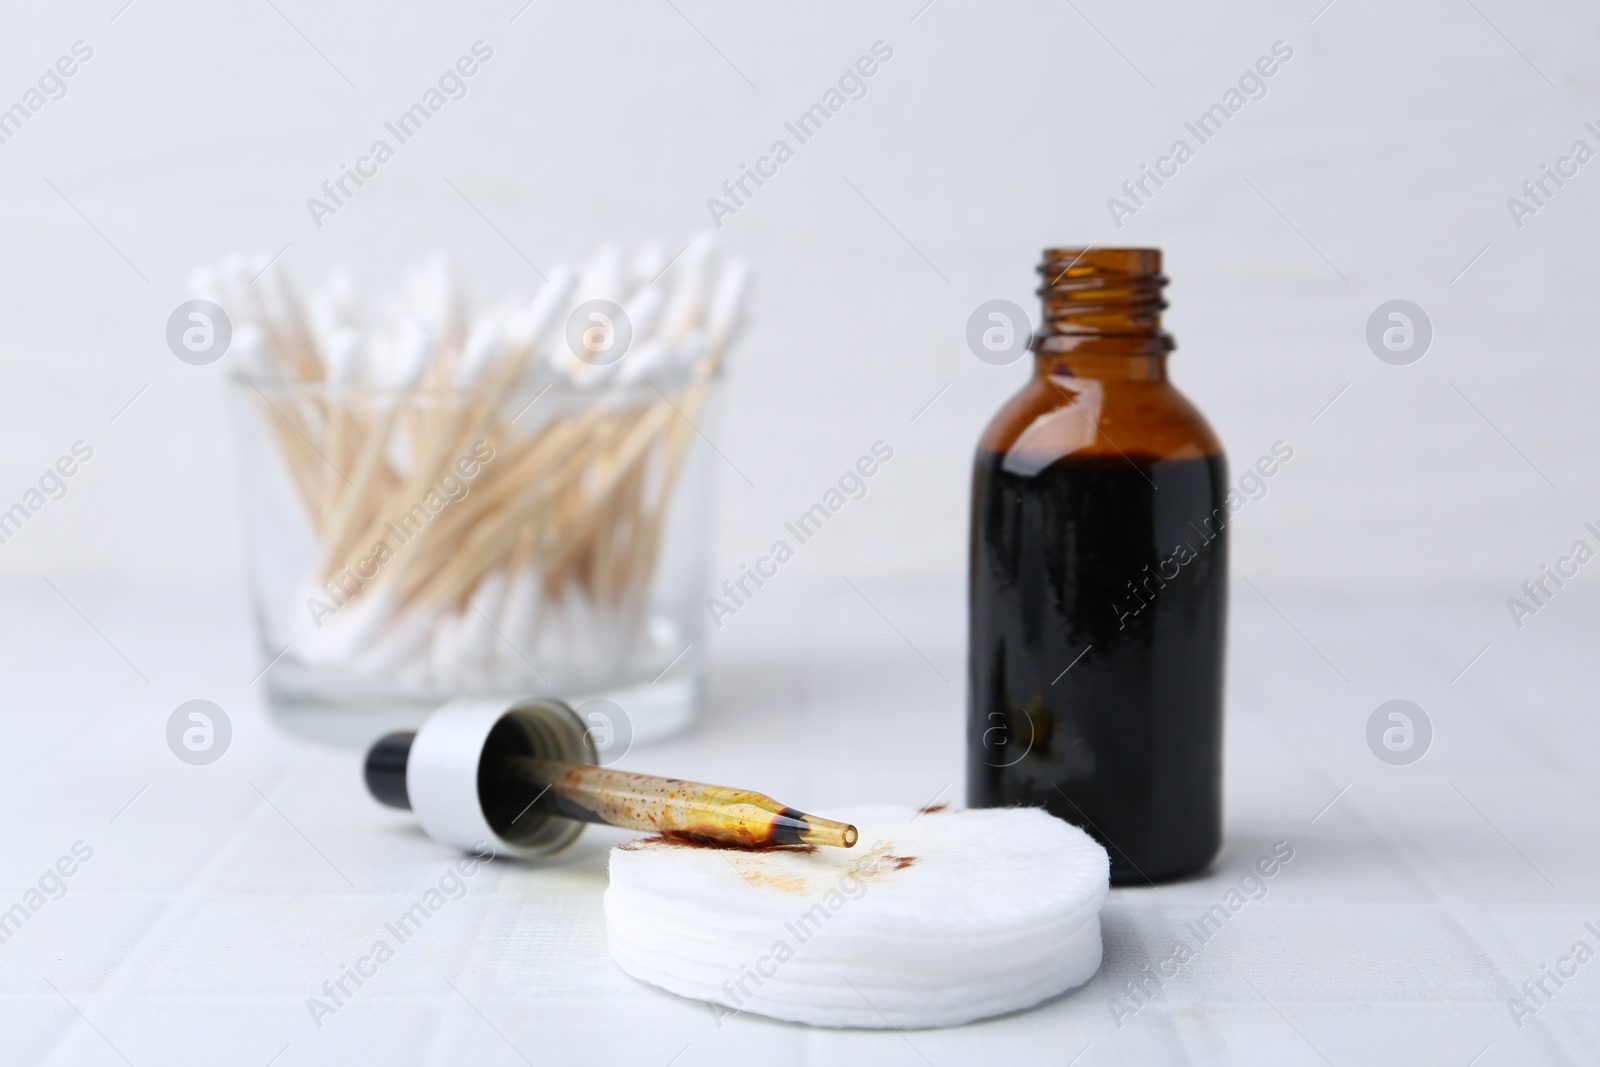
{"x":1102,"y":301}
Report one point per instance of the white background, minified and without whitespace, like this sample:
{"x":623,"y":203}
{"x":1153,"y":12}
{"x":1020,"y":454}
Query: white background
{"x":1377,"y":167}
{"x":1390,"y":141}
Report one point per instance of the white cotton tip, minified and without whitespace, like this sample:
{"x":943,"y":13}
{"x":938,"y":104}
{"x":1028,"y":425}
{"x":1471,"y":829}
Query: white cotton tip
{"x":406,"y":642}
{"x":686,"y":308}
{"x":276,"y":300}
{"x":933,"y":919}
{"x":592,"y":648}
{"x":643,"y":361}
{"x":410,"y":355}
{"x":530,"y":326}
{"x":484,"y":347}
{"x":602,"y":276}
{"x":644,"y":309}
{"x":330,"y":634}
{"x":561,"y":357}
{"x":476,"y":639}
{"x":444,"y":655}
{"x":521,"y":331}
{"x":249,"y":351}
{"x":516,"y":623}
{"x":727,"y":303}
{"x":344,"y":359}
{"x":551,"y":640}
{"x":334,"y":307}
{"x":646,"y":264}
{"x":238,"y":300}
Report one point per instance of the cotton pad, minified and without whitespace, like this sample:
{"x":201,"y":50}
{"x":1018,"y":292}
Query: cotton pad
{"x":935,"y":918}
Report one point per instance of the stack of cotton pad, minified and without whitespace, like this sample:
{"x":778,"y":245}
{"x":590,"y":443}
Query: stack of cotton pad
{"x":934,"y":918}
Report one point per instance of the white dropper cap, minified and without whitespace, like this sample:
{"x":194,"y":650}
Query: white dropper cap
{"x":435,"y":772}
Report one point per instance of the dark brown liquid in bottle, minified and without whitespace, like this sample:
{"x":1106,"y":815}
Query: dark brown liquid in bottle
{"x":1099,"y":584}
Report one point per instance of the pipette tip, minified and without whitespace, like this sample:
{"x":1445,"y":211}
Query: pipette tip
{"x":827,"y":832}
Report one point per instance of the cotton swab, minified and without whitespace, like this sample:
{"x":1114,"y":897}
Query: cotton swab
{"x":546,"y":551}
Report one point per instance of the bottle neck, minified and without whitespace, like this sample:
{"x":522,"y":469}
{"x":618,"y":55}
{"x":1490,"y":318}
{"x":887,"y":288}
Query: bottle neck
{"x":1103,"y":367}
{"x":1102,"y":314}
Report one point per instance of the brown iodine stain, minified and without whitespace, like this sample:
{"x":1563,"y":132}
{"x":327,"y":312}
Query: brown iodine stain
{"x":901,"y":862}
{"x":933,"y":809}
{"x":782,"y":882}
{"x":685,"y":839}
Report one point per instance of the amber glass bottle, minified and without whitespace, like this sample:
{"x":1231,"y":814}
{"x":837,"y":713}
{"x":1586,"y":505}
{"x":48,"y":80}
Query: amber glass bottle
{"x":1099,"y":570}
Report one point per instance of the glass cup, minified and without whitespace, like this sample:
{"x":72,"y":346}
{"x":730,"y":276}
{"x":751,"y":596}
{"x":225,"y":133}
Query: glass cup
{"x":406,"y":547}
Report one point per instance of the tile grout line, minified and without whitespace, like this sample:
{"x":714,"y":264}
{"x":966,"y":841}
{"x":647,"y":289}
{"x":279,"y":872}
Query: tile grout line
{"x":156,"y":937}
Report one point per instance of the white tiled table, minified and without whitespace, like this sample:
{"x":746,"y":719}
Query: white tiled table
{"x":221,"y":897}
